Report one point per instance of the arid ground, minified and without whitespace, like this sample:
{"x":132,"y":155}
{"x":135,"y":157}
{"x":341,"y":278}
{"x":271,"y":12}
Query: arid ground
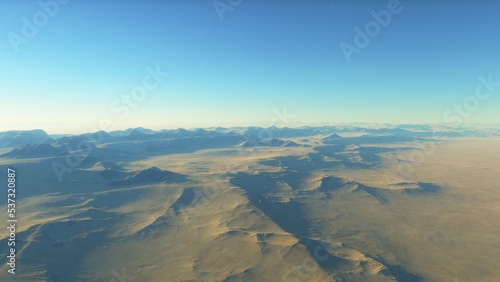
{"x":323,"y":204}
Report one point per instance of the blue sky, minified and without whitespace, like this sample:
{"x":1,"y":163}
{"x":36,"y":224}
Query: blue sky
{"x":262,"y":57}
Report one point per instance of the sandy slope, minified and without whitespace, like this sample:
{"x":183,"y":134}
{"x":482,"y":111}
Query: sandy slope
{"x":266,"y":214}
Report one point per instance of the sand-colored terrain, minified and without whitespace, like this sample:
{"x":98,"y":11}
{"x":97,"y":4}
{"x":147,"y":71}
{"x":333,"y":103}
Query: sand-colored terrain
{"x":317,"y":209}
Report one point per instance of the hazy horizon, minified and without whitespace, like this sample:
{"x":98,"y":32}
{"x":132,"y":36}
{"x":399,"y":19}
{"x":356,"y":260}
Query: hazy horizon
{"x":262,"y":125}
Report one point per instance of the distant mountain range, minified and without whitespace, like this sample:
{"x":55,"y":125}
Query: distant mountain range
{"x":37,"y":143}
{"x":17,"y":138}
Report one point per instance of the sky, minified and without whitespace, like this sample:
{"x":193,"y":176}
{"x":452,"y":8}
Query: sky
{"x":82,"y":66}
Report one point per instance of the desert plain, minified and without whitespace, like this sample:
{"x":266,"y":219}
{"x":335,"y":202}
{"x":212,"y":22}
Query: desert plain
{"x":308,"y":204}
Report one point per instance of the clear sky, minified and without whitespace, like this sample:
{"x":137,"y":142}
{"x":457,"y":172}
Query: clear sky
{"x":242,"y":65}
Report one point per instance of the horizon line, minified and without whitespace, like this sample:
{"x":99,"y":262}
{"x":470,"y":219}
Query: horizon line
{"x":368,"y":124}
